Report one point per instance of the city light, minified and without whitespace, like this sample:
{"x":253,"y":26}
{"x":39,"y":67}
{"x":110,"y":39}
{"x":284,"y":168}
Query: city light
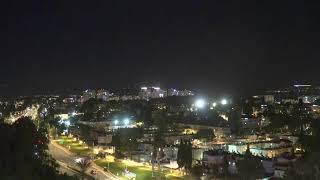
{"x":224,"y":102}
{"x":200,"y":103}
{"x":214,"y":104}
{"x":67,"y":123}
{"x":126,"y":121}
{"x":116,"y":122}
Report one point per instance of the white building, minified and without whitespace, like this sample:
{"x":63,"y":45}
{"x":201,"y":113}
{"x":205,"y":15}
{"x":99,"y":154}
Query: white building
{"x":151,"y":92}
{"x":87,"y":94}
{"x":269,"y":99}
{"x":103,"y":94}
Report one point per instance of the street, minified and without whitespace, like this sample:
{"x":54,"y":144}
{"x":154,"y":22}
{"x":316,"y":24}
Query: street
{"x":68,"y":165}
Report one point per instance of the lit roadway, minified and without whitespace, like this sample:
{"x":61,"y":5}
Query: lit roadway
{"x":66,"y":160}
{"x":28,"y":112}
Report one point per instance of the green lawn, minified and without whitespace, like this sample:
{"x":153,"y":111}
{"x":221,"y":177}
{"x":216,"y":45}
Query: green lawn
{"x":117,"y":168}
{"x":142,"y":172}
{"x":75,"y":146}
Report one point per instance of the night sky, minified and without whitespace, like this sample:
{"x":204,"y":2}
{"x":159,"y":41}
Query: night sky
{"x":218,"y":45}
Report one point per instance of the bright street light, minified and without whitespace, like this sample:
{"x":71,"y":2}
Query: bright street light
{"x":214,"y":104}
{"x":67,"y":123}
{"x":224,"y":102}
{"x":116,"y":122}
{"x":73,"y":113}
{"x":200,"y":103}
{"x":126,"y":121}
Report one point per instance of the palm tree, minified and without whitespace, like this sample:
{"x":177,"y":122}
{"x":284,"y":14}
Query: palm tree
{"x":84,"y":164}
{"x":250,"y":167}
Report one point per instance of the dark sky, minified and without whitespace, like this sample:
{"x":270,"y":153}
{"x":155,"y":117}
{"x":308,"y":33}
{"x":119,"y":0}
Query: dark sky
{"x":235,"y":46}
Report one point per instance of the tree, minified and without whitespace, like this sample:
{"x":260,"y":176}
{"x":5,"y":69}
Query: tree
{"x":89,"y":108}
{"x":85,"y":132}
{"x":308,"y":166}
{"x":250,"y":167}
{"x":84,"y":164}
{"x":215,"y":169}
{"x":225,"y":166}
{"x":247,"y":107}
{"x":205,"y":135}
{"x":180,"y":155}
{"x":24,"y":153}
{"x":188,"y":156}
{"x":161,"y":122}
{"x":197,"y":171}
{"x":277,"y":120}
{"x":125,"y":140}
{"x":116,"y":142}
{"x":53,"y":132}
{"x":184,"y":156}
{"x":234,"y":119}
{"x":130,"y":145}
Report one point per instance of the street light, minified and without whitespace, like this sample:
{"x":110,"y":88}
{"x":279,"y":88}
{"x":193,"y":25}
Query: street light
{"x":116,"y":122}
{"x":200,"y":103}
{"x":214,"y":104}
{"x":224,"y":102}
{"x":67,"y":123}
{"x":126,"y":121}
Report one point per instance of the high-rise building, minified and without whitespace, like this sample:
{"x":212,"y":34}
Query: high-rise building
{"x":172,"y":92}
{"x":151,"y":92}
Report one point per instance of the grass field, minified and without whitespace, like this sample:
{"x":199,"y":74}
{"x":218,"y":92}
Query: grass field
{"x":142,"y":172}
{"x":117,"y":168}
{"x":74,"y":145}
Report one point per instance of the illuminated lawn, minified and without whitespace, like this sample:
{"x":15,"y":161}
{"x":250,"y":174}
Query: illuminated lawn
{"x":117,"y":168}
{"x":141,"y":172}
{"x":75,"y":146}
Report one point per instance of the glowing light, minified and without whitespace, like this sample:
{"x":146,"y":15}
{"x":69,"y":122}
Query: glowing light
{"x":116,"y":122}
{"x":224,"y":102}
{"x":214,"y":104}
{"x":126,"y":121}
{"x":200,"y":103}
{"x":144,"y":88}
{"x":302,"y":85}
{"x":67,"y":123}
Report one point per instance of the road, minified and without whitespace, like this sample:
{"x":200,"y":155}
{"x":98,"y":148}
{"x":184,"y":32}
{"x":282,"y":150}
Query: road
{"x":67,"y":163}
{"x":28,"y":112}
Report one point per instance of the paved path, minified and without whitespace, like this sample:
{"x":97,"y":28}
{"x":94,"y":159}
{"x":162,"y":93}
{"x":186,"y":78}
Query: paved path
{"x":66,"y":159}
